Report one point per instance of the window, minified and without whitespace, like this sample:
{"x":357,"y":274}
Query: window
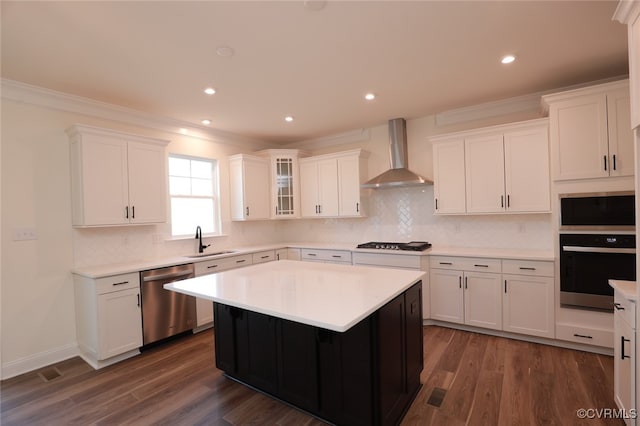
{"x":193,"y":188}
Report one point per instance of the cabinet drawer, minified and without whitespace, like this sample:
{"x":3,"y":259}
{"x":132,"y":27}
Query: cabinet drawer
{"x":527,"y":267}
{"x":625,"y":309}
{"x":217,"y":265}
{"x":466,"y":263}
{"x":328,"y":255}
{"x":263,"y":256}
{"x":117,"y":283}
{"x":387,"y":260}
{"x":586,"y":335}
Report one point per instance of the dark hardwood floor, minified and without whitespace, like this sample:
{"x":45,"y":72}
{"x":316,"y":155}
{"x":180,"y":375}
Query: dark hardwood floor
{"x":478,"y":380}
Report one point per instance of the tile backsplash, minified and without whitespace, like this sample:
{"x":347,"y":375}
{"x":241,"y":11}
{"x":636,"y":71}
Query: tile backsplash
{"x":405,"y":214}
{"x":399,"y":214}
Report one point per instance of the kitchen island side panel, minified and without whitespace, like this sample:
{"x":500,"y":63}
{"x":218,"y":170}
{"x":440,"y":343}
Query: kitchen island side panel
{"x":367,"y":375}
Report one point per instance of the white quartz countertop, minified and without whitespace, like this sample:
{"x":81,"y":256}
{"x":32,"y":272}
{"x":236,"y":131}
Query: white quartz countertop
{"x":516,"y":254}
{"x":627,"y":288}
{"x":331,"y":296}
{"x":143,"y":265}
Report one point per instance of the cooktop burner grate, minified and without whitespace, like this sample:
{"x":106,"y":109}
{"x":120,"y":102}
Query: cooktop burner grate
{"x":411,"y":246}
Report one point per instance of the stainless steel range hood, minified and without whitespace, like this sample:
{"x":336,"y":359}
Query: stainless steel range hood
{"x":398,"y":175}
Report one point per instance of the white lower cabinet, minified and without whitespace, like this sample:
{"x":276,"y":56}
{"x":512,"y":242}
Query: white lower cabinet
{"x":204,"y":308}
{"x":527,"y":300}
{"x":624,"y":352}
{"x":463,"y":297}
{"x":326,"y":256}
{"x":400,"y":261}
{"x":516,"y":296}
{"x":447,"y":297}
{"x":108,"y":318}
{"x":282,"y":254}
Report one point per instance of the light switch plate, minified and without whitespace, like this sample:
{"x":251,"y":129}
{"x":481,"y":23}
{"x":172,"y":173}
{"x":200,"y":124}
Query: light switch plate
{"x":24,"y":234}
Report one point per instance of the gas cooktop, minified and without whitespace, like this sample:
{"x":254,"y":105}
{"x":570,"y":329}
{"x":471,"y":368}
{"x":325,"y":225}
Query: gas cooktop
{"x":412,"y":246}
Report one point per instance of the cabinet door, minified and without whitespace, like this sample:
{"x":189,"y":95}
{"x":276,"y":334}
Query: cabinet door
{"x":105,"y":179}
{"x":204,"y":312}
{"x":349,"y":186}
{"x":528,"y":306}
{"x":328,"y":187}
{"x":120,"y":322}
{"x":526,"y":167}
{"x":623,"y":374}
{"x":634,"y":67}
{"x":256,"y":349}
{"x":309,"y":189}
{"x":621,"y":154}
{"x":256,"y":190}
{"x":449,"y":178}
{"x":483,"y":300}
{"x":484,"y":175}
{"x":298,"y":364}
{"x":284,"y":186}
{"x":147,"y":183}
{"x":446,"y":295}
{"x":578,"y":132}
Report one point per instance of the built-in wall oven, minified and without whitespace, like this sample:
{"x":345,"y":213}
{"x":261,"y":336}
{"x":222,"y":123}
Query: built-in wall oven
{"x":597,"y":243}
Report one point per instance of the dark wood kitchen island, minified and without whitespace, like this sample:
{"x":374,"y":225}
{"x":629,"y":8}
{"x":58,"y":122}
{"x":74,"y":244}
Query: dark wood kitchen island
{"x":341,"y":342}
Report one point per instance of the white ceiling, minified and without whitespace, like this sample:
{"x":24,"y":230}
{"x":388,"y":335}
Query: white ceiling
{"x":419,"y":57}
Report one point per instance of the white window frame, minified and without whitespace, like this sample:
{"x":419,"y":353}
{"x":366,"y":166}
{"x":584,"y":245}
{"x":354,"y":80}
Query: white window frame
{"x":215,"y":197}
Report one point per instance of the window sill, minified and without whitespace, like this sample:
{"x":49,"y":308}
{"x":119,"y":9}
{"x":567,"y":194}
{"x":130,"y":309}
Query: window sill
{"x":204,"y":236}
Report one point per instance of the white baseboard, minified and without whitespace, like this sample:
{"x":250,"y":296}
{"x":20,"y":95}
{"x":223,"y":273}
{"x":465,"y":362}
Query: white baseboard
{"x":39,"y":360}
{"x":533,"y":339}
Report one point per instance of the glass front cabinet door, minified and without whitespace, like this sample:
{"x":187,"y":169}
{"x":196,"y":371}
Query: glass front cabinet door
{"x":285,"y":185}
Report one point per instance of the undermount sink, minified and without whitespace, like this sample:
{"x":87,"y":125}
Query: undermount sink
{"x":216,"y":253}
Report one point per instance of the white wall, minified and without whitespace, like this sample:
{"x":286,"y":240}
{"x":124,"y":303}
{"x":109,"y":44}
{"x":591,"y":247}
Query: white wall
{"x":406,"y":214}
{"x":37,"y":316}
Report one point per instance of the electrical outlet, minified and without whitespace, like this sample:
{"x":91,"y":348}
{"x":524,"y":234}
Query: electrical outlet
{"x":24,"y":234}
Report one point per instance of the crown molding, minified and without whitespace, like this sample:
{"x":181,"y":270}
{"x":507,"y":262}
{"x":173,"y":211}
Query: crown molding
{"x":626,"y":10}
{"x":525,"y":103}
{"x":26,"y":93}
{"x":360,"y":135}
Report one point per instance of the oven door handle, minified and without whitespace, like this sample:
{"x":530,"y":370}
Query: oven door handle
{"x":599,"y":249}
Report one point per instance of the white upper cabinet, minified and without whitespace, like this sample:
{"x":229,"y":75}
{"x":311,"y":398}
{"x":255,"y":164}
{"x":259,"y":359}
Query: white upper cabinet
{"x":330,"y":185}
{"x":116,"y":178}
{"x":285,"y":182}
{"x":319,"y":181}
{"x":526,"y":169}
{"x":449,"y":177}
{"x":352,"y":170}
{"x":484,"y":177}
{"x":501,"y":169}
{"x":249,"y":180}
{"x":628,"y":12}
{"x":590,"y":132}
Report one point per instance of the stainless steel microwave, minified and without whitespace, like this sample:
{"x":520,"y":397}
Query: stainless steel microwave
{"x":598,"y":211}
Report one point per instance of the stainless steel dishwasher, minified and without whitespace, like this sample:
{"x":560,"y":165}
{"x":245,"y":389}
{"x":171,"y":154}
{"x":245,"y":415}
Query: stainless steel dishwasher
{"x":165,"y":313}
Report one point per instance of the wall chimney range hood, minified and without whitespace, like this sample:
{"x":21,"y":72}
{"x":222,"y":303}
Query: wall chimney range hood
{"x":398,"y":175}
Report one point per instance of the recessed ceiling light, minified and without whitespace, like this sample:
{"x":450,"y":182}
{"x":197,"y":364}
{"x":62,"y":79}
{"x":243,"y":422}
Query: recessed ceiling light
{"x":508,"y":59}
{"x":225,"y":51}
{"x":184,"y":131}
{"x":370,"y":96}
{"x":206,"y":122}
{"x":288,"y":119}
{"x":209,"y":90}
{"x":315,"y":5}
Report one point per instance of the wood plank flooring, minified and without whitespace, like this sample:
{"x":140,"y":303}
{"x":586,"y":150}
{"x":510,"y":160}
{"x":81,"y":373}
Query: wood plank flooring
{"x":481,"y":380}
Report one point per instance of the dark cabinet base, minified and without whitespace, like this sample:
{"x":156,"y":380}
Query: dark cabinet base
{"x":368,"y":375}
